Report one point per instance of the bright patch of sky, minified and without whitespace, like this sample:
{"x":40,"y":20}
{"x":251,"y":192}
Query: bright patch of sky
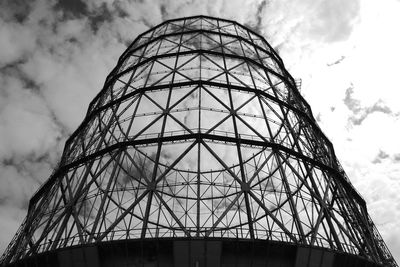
{"x":55,"y":55}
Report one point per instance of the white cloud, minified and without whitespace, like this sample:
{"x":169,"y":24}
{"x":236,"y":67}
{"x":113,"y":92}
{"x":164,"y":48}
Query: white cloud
{"x":376,"y":54}
{"x":26,"y":125}
{"x":15,"y":42}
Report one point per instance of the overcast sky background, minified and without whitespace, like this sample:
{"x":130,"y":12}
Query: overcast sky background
{"x":56,"y":54}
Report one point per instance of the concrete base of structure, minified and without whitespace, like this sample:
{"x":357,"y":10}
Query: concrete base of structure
{"x":193,"y":253}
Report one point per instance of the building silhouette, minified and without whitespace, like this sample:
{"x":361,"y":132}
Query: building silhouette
{"x":198,"y":151}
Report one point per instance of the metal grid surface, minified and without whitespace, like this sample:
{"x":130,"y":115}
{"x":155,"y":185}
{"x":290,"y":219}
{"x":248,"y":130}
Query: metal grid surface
{"x":199,"y":132}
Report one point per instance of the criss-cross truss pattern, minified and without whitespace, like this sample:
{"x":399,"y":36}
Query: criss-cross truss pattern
{"x":199,"y":132}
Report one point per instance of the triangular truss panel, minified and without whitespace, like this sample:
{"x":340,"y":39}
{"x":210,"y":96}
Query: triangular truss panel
{"x":199,"y":132}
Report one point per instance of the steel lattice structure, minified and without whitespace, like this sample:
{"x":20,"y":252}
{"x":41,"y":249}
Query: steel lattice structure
{"x":199,"y":132}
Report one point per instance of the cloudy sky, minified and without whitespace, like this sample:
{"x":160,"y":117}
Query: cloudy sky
{"x":55,"y":55}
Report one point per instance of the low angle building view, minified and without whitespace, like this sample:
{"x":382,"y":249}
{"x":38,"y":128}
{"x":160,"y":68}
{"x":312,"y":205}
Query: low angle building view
{"x":199,"y":150}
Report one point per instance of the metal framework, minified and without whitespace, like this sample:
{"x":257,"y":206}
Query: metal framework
{"x":199,"y":132}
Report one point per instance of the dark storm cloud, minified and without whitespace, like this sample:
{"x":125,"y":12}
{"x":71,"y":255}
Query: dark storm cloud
{"x":72,"y":8}
{"x":15,"y":10}
{"x":96,"y":16}
{"x":96,"y":13}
